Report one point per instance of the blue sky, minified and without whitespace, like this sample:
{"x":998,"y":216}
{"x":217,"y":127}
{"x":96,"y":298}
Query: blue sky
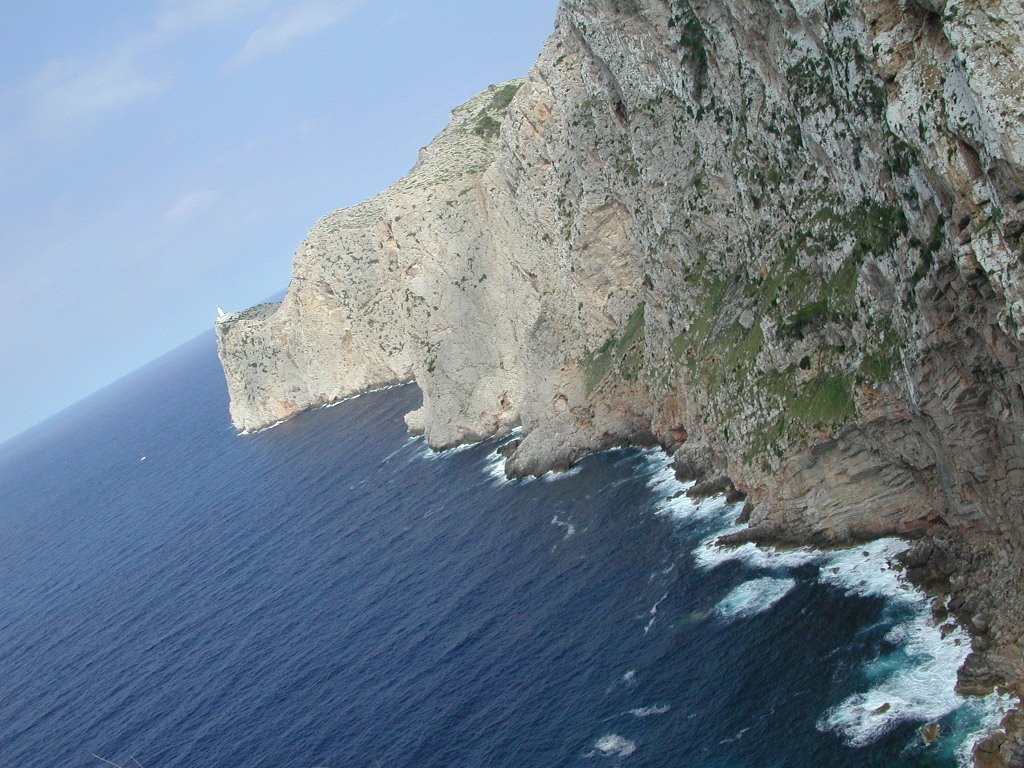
{"x":162,"y":157}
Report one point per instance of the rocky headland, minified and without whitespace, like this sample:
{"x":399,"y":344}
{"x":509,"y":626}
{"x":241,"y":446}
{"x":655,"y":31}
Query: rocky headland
{"x":781,"y":238}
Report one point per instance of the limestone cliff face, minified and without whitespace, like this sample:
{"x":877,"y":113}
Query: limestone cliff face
{"x":781,"y":237}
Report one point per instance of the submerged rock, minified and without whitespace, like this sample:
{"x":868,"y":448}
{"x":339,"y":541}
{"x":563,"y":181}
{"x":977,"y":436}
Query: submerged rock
{"x":929,"y":732}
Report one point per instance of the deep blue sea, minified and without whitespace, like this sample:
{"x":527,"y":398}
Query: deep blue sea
{"x":331,"y":593}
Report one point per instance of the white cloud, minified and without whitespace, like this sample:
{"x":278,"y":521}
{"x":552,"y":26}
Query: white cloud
{"x":187,"y":15}
{"x":190,"y":204}
{"x":301,"y":21}
{"x":67,"y":92}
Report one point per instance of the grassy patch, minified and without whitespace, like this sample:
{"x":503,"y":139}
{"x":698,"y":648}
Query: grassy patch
{"x":824,"y":401}
{"x":503,"y":96}
{"x":488,"y":120}
{"x":808,"y":316}
{"x":878,"y":366}
{"x":876,"y":228}
{"x":626,"y":352}
{"x":486,"y":127}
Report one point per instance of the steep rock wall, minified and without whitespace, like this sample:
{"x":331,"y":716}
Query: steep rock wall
{"x":781,"y":238}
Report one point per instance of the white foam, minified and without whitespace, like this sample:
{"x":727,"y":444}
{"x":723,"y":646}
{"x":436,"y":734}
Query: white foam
{"x":516,"y":433}
{"x":494,"y":467}
{"x":653,"y":613}
{"x":424,"y":451}
{"x":494,"y":463}
{"x":657,"y":709}
{"x":661,"y":480}
{"x":457,"y":449}
{"x":675,"y":503}
{"x":613,"y":745}
{"x":570,"y":529}
{"x":406,"y":444}
{"x":630,"y":677}
{"x":739,"y":735}
{"x":709,"y":554}
{"x":262,"y":429}
{"x":866,"y":571}
{"x":550,"y":477}
{"x":917,"y":682}
{"x":986,"y":714}
{"x":715,"y":510}
{"x":661,"y":476}
{"x":360,"y":394}
{"x":754,"y":596}
{"x":919,"y":686}
{"x":678,"y":507}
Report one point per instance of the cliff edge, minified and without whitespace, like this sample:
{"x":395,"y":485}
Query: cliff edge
{"x":782,"y":238}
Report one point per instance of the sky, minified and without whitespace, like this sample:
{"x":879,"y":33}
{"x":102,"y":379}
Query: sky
{"x":159,"y":158}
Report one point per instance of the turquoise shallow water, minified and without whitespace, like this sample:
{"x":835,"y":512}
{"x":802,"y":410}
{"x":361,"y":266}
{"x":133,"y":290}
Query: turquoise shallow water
{"x":330,"y":593}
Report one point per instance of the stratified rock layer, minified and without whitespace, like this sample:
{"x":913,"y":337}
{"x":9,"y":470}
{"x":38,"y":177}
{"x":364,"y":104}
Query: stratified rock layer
{"x":781,"y":238}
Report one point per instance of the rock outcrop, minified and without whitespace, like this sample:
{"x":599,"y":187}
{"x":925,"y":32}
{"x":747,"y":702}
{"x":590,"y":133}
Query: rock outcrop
{"x":782,"y":237}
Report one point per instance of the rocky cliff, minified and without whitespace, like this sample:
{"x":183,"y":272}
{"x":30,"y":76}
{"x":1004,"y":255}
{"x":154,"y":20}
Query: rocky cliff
{"x":779,"y":237}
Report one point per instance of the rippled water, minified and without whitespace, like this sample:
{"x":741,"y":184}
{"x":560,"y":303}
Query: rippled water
{"x":331,"y":593}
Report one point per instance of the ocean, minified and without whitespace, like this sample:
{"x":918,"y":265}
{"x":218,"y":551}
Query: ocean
{"x":332,"y":593}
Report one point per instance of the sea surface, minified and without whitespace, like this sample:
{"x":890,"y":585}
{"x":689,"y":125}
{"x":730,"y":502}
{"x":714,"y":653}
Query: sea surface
{"x":332,"y":593}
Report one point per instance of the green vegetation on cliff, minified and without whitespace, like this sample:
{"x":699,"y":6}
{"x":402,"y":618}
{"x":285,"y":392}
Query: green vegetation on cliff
{"x":488,"y":120}
{"x":624,"y":353}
